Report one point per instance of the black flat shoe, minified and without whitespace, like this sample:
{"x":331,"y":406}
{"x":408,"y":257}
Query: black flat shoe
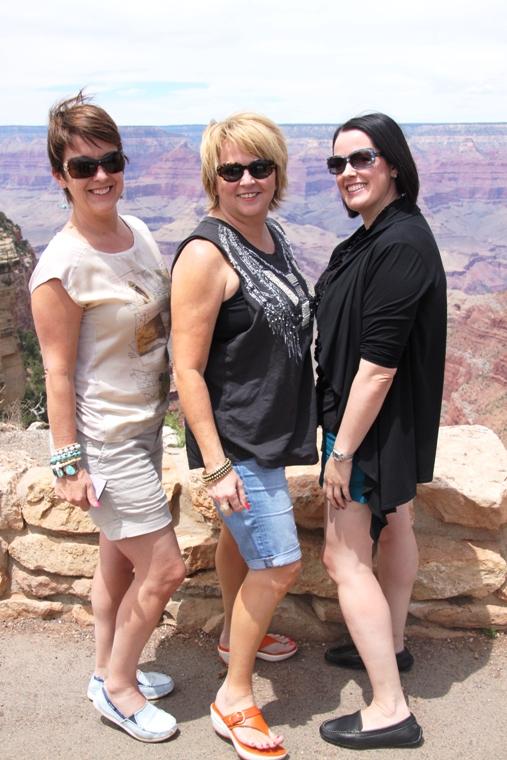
{"x":347,"y":732}
{"x":347,"y":656}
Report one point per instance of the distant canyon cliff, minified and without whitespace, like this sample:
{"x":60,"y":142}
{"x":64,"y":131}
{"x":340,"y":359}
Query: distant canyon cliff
{"x":17,"y":261}
{"x":463,"y":171}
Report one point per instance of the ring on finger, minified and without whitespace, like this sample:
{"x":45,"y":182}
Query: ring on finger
{"x":225,"y":507}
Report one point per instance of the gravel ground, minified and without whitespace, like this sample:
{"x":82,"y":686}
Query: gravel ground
{"x":457,"y":689}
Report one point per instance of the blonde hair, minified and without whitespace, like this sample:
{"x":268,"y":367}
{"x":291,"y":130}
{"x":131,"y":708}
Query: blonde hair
{"x":254,"y":133}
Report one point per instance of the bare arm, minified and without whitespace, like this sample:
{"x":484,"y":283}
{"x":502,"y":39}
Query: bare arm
{"x":367,"y":394}
{"x":397,"y":281}
{"x":57,"y":322}
{"x":201,"y":281}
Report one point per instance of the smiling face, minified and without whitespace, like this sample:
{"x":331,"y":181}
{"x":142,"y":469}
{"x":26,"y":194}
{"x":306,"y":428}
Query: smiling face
{"x":248,"y":198}
{"x":369,"y":190}
{"x":97,"y":195}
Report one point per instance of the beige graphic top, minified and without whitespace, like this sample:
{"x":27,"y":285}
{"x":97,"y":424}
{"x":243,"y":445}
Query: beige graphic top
{"x":122,"y":371}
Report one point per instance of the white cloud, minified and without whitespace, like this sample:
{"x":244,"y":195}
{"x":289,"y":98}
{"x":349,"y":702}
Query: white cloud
{"x":297,"y":61}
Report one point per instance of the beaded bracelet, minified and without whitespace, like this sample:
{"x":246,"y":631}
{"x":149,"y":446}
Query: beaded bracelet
{"x":65,"y":453}
{"x":69,"y":468}
{"x":65,"y":461}
{"x":220,"y":472}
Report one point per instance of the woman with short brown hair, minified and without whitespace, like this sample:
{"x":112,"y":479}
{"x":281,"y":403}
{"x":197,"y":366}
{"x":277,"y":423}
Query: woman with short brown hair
{"x":100,"y":306}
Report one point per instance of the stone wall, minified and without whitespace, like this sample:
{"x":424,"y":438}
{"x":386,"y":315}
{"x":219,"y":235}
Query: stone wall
{"x":48,"y":549}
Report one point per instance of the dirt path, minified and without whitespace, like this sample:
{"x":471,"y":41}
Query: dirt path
{"x":457,"y":689}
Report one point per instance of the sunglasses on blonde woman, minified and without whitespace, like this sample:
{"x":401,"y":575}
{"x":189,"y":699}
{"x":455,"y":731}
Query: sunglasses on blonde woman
{"x":359,"y":159}
{"x":261,"y":168}
{"x":83,"y":167}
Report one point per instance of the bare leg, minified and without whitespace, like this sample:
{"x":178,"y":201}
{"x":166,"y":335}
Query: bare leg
{"x":397,"y":568}
{"x":253,"y":609}
{"x":347,"y":557}
{"x":158,"y":571}
{"x":231,"y":570}
{"x":113,"y":576}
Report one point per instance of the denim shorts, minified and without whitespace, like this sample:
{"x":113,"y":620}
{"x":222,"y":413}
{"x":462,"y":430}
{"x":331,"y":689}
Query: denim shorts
{"x":266,"y":534}
{"x":357,"y":478}
{"x":133,"y":502}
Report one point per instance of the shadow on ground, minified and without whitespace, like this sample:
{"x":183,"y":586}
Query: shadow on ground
{"x":457,"y":689}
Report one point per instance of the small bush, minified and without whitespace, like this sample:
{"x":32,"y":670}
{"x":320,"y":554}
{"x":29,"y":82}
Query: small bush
{"x":33,"y":404}
{"x":173,"y":420}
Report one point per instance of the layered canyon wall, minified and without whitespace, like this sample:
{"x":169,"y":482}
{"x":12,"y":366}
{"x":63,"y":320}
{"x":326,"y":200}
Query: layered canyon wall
{"x":463,"y":171}
{"x":17,"y":261}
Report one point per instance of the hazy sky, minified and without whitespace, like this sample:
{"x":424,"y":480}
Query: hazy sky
{"x":165,"y":62}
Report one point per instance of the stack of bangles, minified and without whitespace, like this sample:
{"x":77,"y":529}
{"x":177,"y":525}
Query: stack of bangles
{"x":65,"y":461}
{"x":220,"y":472}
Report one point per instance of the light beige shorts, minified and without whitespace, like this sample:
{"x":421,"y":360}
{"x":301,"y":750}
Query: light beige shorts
{"x":133,"y":501}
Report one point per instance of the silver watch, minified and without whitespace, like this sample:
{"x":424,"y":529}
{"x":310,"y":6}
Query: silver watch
{"x":340,"y":457}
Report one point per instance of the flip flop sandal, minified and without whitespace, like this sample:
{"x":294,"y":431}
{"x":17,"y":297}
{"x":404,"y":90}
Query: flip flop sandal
{"x":270,"y":638}
{"x":225,"y":725}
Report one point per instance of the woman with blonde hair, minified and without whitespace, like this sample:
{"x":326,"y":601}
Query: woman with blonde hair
{"x":242,"y":332}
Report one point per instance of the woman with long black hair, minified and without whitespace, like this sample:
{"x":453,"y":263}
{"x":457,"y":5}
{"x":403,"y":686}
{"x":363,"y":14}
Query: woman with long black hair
{"x":381,"y":316}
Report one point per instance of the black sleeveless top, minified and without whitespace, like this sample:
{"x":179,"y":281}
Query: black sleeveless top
{"x":259,"y":373}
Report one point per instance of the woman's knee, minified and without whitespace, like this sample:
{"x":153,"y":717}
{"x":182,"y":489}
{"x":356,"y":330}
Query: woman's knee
{"x":398,"y":533}
{"x":344,"y":567}
{"x":280,"y":579}
{"x":332,"y":565}
{"x":292,"y":573}
{"x":165,"y":579}
{"x":175,"y":574}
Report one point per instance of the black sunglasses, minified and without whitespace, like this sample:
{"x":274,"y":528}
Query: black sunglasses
{"x":83,"y":167}
{"x":258,"y":169}
{"x":359,"y":159}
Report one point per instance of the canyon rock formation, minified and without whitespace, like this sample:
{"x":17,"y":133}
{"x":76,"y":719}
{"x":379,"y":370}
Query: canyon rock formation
{"x":17,"y":261}
{"x":463,"y":191}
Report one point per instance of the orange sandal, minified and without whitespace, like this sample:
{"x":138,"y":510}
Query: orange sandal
{"x":270,"y":638}
{"x":249,"y":718}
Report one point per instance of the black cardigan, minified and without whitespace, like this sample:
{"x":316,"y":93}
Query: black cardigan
{"x":383,"y":298}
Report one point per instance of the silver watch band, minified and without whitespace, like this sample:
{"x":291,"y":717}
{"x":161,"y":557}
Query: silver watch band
{"x":340,"y":457}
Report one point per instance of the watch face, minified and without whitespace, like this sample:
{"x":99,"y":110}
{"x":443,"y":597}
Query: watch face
{"x":341,"y":457}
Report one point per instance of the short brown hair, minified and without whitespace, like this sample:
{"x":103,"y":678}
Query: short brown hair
{"x":257,"y":135}
{"x":77,"y":117}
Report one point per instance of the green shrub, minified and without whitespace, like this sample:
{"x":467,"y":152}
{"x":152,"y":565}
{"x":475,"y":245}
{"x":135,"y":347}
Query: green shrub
{"x":34,"y":404}
{"x":173,"y":420}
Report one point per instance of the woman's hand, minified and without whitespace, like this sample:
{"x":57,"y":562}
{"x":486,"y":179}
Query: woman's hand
{"x":77,"y":490}
{"x":229,"y":493}
{"x":336,"y":482}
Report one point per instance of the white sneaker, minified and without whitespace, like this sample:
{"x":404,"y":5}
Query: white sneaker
{"x":149,"y":724}
{"x":151,"y":685}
